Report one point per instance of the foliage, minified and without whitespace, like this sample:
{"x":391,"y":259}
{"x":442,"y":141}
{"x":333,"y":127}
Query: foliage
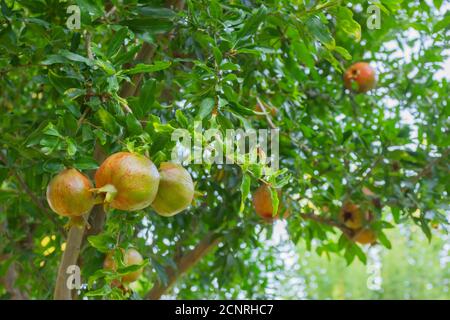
{"x":63,"y":101}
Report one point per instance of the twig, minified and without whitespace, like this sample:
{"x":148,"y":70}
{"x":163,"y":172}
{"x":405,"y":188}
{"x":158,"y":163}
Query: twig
{"x":263,"y":108}
{"x":88,"y":37}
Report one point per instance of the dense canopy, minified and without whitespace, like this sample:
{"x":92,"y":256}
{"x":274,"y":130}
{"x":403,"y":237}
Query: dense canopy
{"x":134,"y":71}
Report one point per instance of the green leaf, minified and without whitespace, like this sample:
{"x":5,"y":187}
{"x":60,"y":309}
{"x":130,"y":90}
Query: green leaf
{"x":75,"y":57}
{"x":384,"y":240}
{"x":275,"y":201}
{"x":144,"y":68}
{"x":102,"y":292}
{"x":206,"y":107}
{"x":85,"y":163}
{"x":344,"y":20}
{"x":147,"y":95}
{"x":343,"y":52}
{"x":108,"y":121}
{"x":103,"y":242}
{"x":155,"y":12}
{"x":245,"y":190}
{"x":442,"y":24}
{"x":320,"y":31}
{"x":62,"y":83}
{"x":359,"y":253}
{"x":181,"y":118}
{"x":116,"y":41}
{"x":148,"y":25}
{"x":71,"y":147}
{"x":252,"y":23}
{"x":133,"y":125}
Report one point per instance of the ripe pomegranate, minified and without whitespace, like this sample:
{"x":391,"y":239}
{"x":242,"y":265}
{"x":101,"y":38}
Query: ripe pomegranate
{"x":129,"y":180}
{"x":362,"y":74}
{"x":365,"y":236}
{"x":130,"y":257}
{"x":262,"y":202}
{"x":351,"y":216}
{"x":68,"y":193}
{"x":176,"y":190}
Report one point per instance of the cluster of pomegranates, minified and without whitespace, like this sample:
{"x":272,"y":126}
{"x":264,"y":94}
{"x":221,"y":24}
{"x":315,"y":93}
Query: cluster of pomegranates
{"x":350,"y":215}
{"x":125,"y":181}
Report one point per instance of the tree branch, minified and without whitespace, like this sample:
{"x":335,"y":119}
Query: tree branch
{"x":184,"y":263}
{"x":311,"y":216}
{"x":263,"y":108}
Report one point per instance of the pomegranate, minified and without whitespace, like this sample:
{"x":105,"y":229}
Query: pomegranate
{"x":365,"y":236}
{"x":176,"y":190}
{"x":362,"y":74}
{"x":262,"y":202}
{"x":351,"y":216}
{"x":68,"y":193}
{"x":130,"y":257}
{"x":130,"y":181}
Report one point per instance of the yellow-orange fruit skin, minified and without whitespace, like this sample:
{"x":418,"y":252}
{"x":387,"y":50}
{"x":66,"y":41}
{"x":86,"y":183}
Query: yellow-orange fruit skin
{"x":262,"y":202}
{"x":130,"y":257}
{"x":68,"y":193}
{"x":351,"y":216}
{"x":365,"y":236}
{"x":176,"y":190}
{"x":134,"y":176}
{"x":361,"y":73}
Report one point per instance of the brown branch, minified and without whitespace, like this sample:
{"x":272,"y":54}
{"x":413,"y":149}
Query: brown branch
{"x":314,"y":217}
{"x":184,"y":263}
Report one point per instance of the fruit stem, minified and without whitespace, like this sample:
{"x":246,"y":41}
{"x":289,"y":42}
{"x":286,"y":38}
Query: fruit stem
{"x":109,"y":190}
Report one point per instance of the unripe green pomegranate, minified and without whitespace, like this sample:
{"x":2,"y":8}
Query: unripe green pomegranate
{"x":176,"y":190}
{"x":130,"y":257}
{"x":362,"y":74}
{"x":129,"y":180}
{"x":68,"y":193}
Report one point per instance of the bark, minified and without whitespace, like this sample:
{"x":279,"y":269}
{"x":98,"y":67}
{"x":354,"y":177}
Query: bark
{"x":184,"y":263}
